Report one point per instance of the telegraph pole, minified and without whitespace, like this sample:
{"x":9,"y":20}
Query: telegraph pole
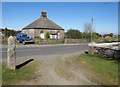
{"x":91,"y":29}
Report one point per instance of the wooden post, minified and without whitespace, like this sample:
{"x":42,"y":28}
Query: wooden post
{"x":11,"y":53}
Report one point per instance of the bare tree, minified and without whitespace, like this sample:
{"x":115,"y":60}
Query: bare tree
{"x":88,"y":30}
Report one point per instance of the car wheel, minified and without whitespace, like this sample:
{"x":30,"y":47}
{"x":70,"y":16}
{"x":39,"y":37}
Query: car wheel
{"x":23,"y":43}
{"x":18,"y":41}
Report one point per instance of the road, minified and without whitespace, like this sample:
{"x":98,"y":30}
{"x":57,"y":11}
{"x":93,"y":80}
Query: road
{"x":24,"y":51}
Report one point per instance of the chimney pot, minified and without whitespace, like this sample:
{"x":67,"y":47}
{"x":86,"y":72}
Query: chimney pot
{"x":44,"y":14}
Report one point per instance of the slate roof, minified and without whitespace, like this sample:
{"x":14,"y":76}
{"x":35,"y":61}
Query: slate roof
{"x":43,"y":23}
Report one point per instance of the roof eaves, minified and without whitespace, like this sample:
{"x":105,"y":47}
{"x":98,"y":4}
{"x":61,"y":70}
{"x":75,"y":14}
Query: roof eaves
{"x":44,"y":28}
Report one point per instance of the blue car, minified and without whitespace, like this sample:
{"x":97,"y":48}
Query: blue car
{"x":24,"y":38}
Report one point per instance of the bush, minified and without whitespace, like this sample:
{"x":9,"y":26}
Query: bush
{"x":106,"y":40}
{"x":47,"y":35}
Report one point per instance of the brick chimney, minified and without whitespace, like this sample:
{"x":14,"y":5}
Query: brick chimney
{"x":43,"y":14}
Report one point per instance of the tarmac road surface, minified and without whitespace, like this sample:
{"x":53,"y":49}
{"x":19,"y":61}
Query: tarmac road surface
{"x":28,"y":50}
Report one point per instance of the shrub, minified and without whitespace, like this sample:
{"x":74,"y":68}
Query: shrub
{"x":47,"y":35}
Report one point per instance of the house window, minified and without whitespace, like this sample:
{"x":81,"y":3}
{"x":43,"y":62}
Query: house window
{"x":42,"y":34}
{"x":50,"y":36}
{"x":55,"y":36}
{"x":58,"y":33}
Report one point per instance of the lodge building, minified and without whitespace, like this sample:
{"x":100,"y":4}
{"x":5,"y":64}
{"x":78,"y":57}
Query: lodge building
{"x":39,"y":27}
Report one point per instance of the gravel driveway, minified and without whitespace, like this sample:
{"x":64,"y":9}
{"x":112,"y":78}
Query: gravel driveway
{"x":61,"y":70}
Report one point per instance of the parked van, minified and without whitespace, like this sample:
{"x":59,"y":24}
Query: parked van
{"x":24,"y":38}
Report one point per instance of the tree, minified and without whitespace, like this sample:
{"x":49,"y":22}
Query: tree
{"x":88,"y":30}
{"x":73,"y":34}
{"x":47,"y":35}
{"x":95,"y":35}
{"x":7,"y":32}
{"x":12,"y":32}
{"x":111,"y":34}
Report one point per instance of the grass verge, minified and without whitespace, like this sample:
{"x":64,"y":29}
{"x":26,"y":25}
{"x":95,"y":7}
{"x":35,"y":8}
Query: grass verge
{"x":105,"y":69}
{"x":26,"y":73}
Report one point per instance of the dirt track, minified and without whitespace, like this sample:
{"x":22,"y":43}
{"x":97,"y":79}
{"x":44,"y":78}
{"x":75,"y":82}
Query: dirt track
{"x":62,"y":70}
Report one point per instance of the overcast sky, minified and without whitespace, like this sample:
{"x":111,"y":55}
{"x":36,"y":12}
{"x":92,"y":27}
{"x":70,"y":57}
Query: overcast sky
{"x":17,"y":15}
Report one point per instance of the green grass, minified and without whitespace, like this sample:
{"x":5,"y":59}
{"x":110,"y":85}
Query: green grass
{"x":0,"y":74}
{"x":105,"y":69}
{"x":4,"y":43}
{"x":25,"y":73}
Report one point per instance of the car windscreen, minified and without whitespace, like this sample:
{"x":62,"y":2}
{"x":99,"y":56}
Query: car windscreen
{"x":24,"y":35}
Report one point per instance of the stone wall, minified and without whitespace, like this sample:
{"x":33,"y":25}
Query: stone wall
{"x":62,"y":34}
{"x":53,"y":41}
{"x":75,"y":40}
{"x":107,"y":50}
{"x":37,"y":33}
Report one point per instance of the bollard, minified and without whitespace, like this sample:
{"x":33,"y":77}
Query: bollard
{"x":11,"y":53}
